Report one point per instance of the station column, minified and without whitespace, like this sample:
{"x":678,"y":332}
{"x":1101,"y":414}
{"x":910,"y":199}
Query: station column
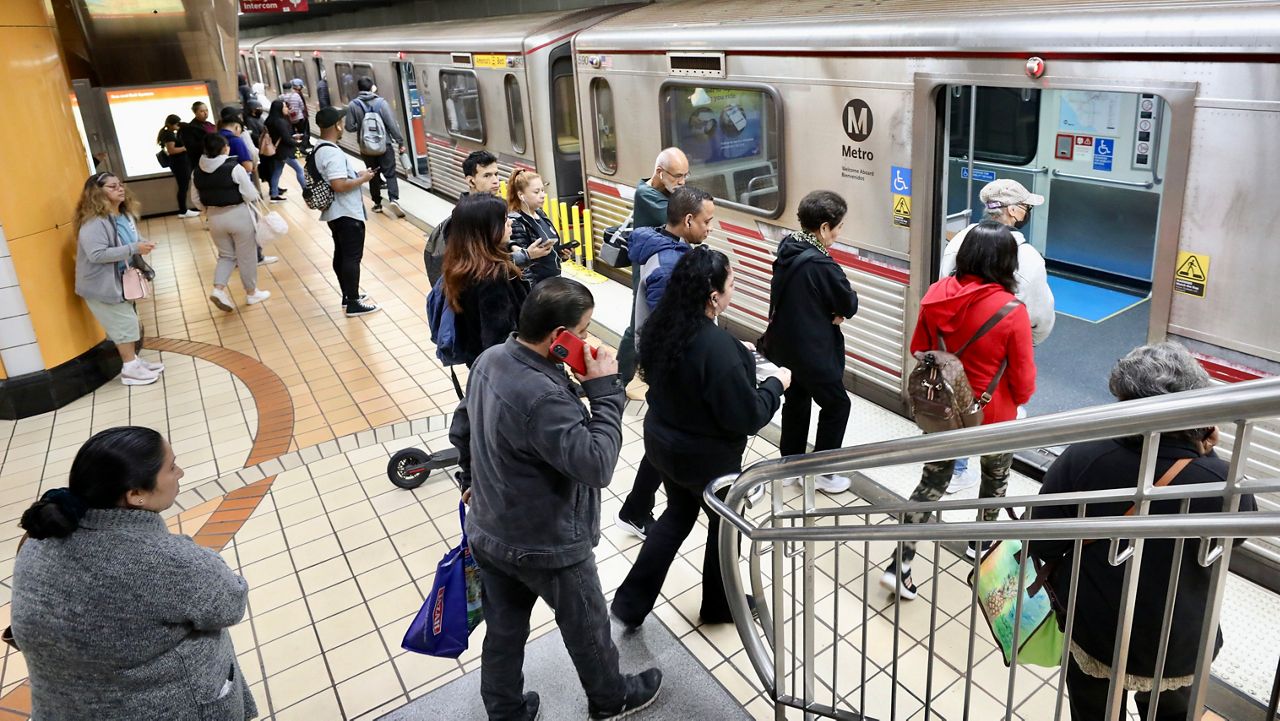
{"x":52,"y":351}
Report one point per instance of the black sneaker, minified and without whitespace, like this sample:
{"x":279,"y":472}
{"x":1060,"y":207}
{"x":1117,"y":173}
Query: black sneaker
{"x":636,"y":527}
{"x":899,"y":583}
{"x":974,"y":550}
{"x":642,"y":690}
{"x":377,"y":208}
{"x":359,"y":307}
{"x":532,"y":707}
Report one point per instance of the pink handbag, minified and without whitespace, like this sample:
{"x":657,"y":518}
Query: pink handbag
{"x":136,"y":286}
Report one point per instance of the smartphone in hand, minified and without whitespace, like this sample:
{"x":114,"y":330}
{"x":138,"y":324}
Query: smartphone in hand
{"x":571,"y":349}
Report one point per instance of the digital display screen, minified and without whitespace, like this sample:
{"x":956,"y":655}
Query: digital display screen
{"x":138,"y":115}
{"x":84,"y":137}
{"x":133,"y":8}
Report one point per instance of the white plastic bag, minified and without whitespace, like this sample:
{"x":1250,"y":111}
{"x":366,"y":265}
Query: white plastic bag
{"x":270,"y":225}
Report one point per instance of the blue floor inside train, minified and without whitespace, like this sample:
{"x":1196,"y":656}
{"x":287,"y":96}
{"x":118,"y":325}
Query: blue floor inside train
{"x":1089,"y":302}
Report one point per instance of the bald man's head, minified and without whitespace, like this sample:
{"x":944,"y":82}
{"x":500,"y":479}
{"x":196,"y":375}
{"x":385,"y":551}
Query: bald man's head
{"x":670,"y":170}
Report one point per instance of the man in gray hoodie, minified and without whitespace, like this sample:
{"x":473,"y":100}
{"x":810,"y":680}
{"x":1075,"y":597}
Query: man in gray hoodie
{"x":384,"y":162}
{"x":533,"y":460}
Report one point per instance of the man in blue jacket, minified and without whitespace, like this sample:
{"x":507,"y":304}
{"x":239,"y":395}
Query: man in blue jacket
{"x":654,"y":253}
{"x":533,"y":460}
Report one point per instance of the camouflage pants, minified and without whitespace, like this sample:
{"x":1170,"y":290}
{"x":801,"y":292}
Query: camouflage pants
{"x":937,"y":476}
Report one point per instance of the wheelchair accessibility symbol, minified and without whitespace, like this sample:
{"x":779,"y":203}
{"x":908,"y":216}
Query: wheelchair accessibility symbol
{"x":900,"y":180}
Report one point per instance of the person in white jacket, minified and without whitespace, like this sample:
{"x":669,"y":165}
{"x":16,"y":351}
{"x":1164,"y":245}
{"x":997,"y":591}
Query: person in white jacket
{"x":222,"y":186}
{"x":1010,"y":203}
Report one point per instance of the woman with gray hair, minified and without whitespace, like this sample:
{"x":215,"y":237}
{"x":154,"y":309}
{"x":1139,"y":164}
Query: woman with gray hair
{"x":1187,"y":457}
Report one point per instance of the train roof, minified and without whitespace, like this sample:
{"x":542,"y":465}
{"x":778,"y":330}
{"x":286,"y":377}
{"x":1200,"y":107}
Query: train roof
{"x":944,"y":26}
{"x":502,"y":34}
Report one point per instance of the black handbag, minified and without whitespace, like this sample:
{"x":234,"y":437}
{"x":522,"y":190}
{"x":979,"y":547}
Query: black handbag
{"x":613,"y":249}
{"x":162,"y":157}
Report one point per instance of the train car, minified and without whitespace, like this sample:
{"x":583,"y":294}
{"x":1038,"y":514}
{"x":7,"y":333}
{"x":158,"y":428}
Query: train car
{"x":1146,"y":125}
{"x":502,"y":84}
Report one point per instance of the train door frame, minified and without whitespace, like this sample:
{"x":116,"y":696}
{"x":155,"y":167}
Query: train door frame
{"x":569,"y":172}
{"x":927,"y":139}
{"x":417,"y":151}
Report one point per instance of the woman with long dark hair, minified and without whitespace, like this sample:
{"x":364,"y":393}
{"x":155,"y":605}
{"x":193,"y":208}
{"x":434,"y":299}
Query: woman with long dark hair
{"x":118,"y":618}
{"x":956,"y":312}
{"x":175,"y":152}
{"x":281,"y":132}
{"x":481,"y":281}
{"x":704,"y":402}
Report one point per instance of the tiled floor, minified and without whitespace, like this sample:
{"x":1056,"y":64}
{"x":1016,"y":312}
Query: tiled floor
{"x":284,"y":415}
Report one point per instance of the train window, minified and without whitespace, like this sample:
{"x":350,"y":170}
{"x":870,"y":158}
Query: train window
{"x":346,"y":81}
{"x":1006,"y":129}
{"x":565,"y":115}
{"x":462,"y":112}
{"x":264,"y":73}
{"x":606,"y":134}
{"x":362,"y":70}
{"x":732,"y":136}
{"x":515,"y":112}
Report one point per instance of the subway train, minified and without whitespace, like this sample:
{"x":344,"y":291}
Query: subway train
{"x":1149,"y":126}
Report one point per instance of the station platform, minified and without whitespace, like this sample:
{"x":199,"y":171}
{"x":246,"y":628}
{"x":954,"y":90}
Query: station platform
{"x":284,"y":414}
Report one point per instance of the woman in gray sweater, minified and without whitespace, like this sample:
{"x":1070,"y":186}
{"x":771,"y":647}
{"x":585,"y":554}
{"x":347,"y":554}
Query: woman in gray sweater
{"x":108,"y":242}
{"x":117,"y":617}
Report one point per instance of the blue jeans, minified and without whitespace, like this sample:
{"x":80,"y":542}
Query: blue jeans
{"x":575,"y":595}
{"x":962,"y":464}
{"x":277,"y":169}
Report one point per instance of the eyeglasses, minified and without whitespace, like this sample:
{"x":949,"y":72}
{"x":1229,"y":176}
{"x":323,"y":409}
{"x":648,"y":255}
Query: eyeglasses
{"x":674,"y":176}
{"x":101,"y":179}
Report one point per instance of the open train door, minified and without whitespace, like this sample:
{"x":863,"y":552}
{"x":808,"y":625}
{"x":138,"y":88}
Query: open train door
{"x":414,"y":163}
{"x":567,"y":149}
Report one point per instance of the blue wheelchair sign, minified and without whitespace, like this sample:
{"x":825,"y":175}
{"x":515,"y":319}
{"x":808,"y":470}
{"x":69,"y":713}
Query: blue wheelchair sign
{"x":1104,"y":150}
{"x":900,"y":180}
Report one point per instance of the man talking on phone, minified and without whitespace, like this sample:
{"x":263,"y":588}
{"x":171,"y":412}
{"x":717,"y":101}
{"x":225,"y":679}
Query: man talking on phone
{"x":533,"y":461}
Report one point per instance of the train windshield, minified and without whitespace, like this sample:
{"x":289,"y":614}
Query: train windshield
{"x":731,"y":137}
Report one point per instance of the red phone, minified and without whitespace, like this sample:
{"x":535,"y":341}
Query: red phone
{"x":572,"y":350}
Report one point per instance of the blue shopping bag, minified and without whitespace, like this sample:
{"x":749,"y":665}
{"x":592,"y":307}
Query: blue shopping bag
{"x":453,"y":608}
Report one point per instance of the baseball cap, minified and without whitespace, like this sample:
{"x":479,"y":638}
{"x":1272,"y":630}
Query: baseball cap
{"x":296,"y":82}
{"x":1005,"y":192}
{"x":329,"y":117}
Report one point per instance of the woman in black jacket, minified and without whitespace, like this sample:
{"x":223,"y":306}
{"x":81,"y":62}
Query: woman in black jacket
{"x":1114,"y":464}
{"x":481,"y":282}
{"x":281,"y":131}
{"x":704,"y":402}
{"x":809,"y":298}
{"x":529,"y":225}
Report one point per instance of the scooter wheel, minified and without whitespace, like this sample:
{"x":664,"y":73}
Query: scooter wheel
{"x":409,"y":468}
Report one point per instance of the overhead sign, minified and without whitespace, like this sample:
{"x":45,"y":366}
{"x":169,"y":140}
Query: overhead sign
{"x":489,"y":61}
{"x":1192,"y":274}
{"x":273,"y":6}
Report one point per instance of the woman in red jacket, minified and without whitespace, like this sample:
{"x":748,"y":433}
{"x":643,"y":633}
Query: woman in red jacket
{"x":954,"y":309}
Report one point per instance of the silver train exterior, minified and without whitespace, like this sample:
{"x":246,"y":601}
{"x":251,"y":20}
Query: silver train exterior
{"x":503,"y":84}
{"x":871,"y":100}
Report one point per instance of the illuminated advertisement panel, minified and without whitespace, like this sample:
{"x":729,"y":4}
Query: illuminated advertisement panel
{"x":138,"y":115}
{"x":84,"y":137}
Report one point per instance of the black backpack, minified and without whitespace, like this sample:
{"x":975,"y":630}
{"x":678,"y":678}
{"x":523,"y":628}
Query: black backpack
{"x":433,"y":254}
{"x":317,"y":192}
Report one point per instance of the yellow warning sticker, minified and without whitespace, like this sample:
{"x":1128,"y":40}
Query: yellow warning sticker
{"x":902,"y":210}
{"x":1192,"y":274}
{"x":489,"y":61}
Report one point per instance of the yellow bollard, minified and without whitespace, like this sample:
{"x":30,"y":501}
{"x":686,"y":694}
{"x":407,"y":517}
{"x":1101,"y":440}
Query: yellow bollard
{"x":577,"y":233}
{"x":564,"y":223}
{"x":502,"y":189}
{"x":590,"y":233}
{"x":553,"y":215}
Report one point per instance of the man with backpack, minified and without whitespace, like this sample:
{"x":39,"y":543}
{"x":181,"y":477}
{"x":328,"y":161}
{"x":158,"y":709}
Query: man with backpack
{"x":329,"y":169}
{"x":371,"y":118}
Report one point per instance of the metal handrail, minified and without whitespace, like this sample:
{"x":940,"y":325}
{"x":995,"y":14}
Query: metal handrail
{"x":1239,"y":403}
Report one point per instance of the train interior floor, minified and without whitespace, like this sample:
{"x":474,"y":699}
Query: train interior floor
{"x":284,"y":414}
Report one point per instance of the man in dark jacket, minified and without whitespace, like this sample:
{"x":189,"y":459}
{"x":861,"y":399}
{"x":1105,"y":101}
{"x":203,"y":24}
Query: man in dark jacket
{"x":810,"y":297}
{"x":533,"y":460}
{"x":655,"y":252}
{"x":670,"y":171}
{"x":368,"y":101}
{"x":1115,"y":464}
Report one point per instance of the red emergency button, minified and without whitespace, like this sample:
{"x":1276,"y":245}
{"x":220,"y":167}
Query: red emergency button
{"x":1035,"y":67}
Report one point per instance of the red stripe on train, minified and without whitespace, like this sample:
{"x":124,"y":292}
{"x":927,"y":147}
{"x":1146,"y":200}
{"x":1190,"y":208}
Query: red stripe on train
{"x":436,"y":141}
{"x":598,"y":187}
{"x":746,"y":232}
{"x":1228,"y":372}
{"x":849,"y":260}
{"x":891,"y":371}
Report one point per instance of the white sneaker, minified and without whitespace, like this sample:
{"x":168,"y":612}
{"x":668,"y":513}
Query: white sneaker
{"x":964,"y":481}
{"x":153,"y":367}
{"x":135,"y":374}
{"x":394,"y":207}
{"x":257,"y":296}
{"x":832,"y":483}
{"x":268,"y":260}
{"x":221,"y":298}
{"x":189,"y":214}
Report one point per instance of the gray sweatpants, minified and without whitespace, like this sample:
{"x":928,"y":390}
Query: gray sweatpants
{"x":234,"y":236}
